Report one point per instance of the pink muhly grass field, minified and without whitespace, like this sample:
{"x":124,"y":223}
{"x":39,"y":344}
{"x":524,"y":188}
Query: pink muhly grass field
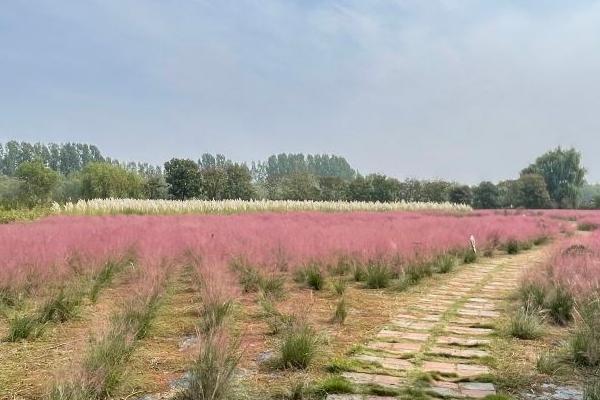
{"x":41,"y":251}
{"x":574,"y":264}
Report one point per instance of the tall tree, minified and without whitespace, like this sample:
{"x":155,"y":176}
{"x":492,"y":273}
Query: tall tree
{"x":36,"y":183}
{"x":563,"y":174}
{"x":460,"y":195}
{"x":100,"y":180}
{"x":184,"y":179}
{"x":486,"y":196}
{"x":532,"y":192}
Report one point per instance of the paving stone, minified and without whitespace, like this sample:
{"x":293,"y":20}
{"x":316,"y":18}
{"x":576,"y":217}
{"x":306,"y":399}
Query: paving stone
{"x":472,"y":322}
{"x":420,"y":317}
{"x":477,"y":390}
{"x":396,"y":364}
{"x":413,"y":324}
{"x":445,"y":389}
{"x":451,"y":340}
{"x":357,"y":397}
{"x":386,"y":381}
{"x":458,"y":370}
{"x":481,"y":306}
{"x":457,"y":352}
{"x":479,"y":313}
{"x":398,"y":335}
{"x":462,"y":330}
{"x":401,"y":348}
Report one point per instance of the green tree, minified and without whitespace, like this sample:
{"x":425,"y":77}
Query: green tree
{"x":155,"y":187}
{"x":383,"y":188}
{"x":486,"y":196}
{"x":184,"y":179}
{"x":36,"y":183}
{"x":563,"y":174}
{"x":101,"y":180}
{"x":299,"y":186}
{"x":332,"y":188}
{"x":460,"y":195}
{"x":532,"y":192}
{"x":238,"y":182}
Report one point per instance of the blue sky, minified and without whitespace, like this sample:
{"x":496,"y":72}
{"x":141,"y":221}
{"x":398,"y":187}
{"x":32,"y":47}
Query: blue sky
{"x":465,"y":90}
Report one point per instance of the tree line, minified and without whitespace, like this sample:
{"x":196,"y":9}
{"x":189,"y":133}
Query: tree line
{"x":33,"y":174}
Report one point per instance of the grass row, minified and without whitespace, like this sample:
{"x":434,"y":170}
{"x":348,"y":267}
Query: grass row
{"x":63,"y":304}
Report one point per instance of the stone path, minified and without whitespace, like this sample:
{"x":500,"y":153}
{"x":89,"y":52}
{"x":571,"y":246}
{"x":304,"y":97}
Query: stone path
{"x":439,"y":343}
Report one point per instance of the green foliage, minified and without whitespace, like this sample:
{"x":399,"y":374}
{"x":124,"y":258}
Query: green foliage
{"x":298,"y":347}
{"x":104,"y":180}
{"x":339,"y":286}
{"x":23,"y":327}
{"x":585,"y":342}
{"x":277,"y":321}
{"x":445,"y":263}
{"x":460,"y":195}
{"x":335,"y":384}
{"x":359,"y":273}
{"x":16,"y":215}
{"x":36,"y":183}
{"x":314,"y":277}
{"x":104,"y":278}
{"x":378,"y":275}
{"x":212,"y":375}
{"x":532,"y":192}
{"x":486,"y":196}
{"x":559,"y":303}
{"x":587,"y":226}
{"x":562,"y":173}
{"x":525,"y":324}
{"x":340,"y":312}
{"x":591,"y":391}
{"x":60,"y":308}
{"x":549,"y":364}
{"x":213,"y":314}
{"x":469,"y":257}
{"x":533,"y":295}
{"x":512,"y":246}
{"x":184,"y":179}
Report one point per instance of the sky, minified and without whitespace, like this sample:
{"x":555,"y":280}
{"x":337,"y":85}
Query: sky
{"x":462,"y":90}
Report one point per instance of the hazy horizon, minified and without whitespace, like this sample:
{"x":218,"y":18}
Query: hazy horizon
{"x":459,"y":90}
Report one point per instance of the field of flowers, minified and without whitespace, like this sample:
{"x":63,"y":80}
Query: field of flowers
{"x":68,"y":278}
{"x":165,"y":207}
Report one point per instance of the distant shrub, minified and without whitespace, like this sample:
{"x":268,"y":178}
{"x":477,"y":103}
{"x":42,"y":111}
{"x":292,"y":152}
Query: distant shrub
{"x":548,"y":364}
{"x":213,"y":372}
{"x":541,"y":240}
{"x":445,"y":263}
{"x":335,"y":385}
{"x":22,"y":327}
{"x":469,"y":257}
{"x":587,"y":226}
{"x":525,"y":324}
{"x":277,"y":321}
{"x":585,"y":342}
{"x":489,"y":252}
{"x":359,"y":273}
{"x":298,"y":347}
{"x":559,"y":303}
{"x":378,"y":275}
{"x":512,"y":246}
{"x":214,"y":313}
{"x":533,"y":295}
{"x":340,"y":312}
{"x":526,"y":245}
{"x":60,"y":308}
{"x":314,"y":277}
{"x":343,"y":266}
{"x":272,"y":285}
{"x":104,"y":278}
{"x":339,"y":286}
